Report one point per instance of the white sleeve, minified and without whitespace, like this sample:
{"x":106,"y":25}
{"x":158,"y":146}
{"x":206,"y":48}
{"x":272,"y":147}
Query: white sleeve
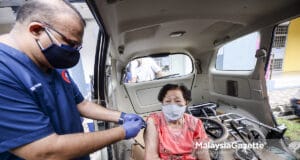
{"x":133,"y":66}
{"x":154,"y":66}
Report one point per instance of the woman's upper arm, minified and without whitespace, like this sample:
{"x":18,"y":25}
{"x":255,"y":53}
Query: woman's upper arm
{"x":151,"y":141}
{"x":200,"y":132}
{"x":202,"y":153}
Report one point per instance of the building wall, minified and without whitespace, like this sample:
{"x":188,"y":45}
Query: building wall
{"x":292,"y":52}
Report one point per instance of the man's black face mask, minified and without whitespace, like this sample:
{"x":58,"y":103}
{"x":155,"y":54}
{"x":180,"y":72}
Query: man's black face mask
{"x":63,"y":56}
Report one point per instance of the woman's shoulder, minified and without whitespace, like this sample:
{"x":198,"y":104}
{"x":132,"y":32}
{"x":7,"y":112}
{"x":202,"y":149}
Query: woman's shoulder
{"x":192,"y":120}
{"x":155,"y":115}
{"x":156,"y":118}
{"x":190,"y":117}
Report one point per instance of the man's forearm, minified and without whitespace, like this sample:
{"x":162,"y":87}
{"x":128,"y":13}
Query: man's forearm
{"x":94,"y":111}
{"x":62,"y":147}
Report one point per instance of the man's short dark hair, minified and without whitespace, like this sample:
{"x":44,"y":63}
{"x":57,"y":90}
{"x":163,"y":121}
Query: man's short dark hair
{"x":185,"y":92}
{"x":37,"y":10}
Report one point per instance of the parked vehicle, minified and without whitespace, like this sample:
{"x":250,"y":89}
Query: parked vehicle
{"x":219,"y":49}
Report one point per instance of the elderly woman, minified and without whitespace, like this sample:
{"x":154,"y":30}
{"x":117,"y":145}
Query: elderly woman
{"x":172,"y":134}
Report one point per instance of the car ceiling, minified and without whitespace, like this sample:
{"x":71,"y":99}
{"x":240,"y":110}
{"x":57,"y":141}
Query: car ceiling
{"x":144,"y":26}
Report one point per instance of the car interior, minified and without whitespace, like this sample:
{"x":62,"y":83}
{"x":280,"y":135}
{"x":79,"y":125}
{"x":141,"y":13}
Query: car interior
{"x":189,"y":40}
{"x":218,"y":49}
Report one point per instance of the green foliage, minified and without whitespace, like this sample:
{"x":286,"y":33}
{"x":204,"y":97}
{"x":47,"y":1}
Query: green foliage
{"x":293,"y":128}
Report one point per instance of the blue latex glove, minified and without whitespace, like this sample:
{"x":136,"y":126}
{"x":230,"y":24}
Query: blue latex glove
{"x":129,"y":116}
{"x":132,"y":127}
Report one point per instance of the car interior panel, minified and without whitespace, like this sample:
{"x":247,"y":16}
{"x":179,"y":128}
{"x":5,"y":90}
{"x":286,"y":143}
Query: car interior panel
{"x":205,"y":30}
{"x":219,"y":49}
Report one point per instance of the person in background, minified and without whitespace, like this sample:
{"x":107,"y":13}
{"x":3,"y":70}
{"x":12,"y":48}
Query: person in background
{"x":128,"y":74}
{"x":40,"y":105}
{"x":172,"y":134}
{"x":144,"y":69}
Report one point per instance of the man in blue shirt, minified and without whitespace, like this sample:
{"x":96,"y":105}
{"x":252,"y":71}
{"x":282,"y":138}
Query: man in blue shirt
{"x":40,"y":105}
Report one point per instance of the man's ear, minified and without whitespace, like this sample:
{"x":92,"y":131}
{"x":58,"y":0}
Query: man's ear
{"x":36,"y":29}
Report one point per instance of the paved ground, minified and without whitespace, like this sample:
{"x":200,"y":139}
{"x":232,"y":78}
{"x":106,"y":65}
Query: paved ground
{"x":280,"y":98}
{"x":281,"y":88}
{"x":284,"y":80}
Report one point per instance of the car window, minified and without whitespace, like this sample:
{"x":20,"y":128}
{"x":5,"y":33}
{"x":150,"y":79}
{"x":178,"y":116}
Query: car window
{"x":7,"y":21}
{"x":83,"y":72}
{"x":158,"y":67}
{"x":239,"y":55}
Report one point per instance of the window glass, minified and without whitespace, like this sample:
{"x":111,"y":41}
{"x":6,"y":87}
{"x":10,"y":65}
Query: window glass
{"x":239,"y":54}
{"x":83,"y":72}
{"x":278,"y":47}
{"x":284,"y":57}
{"x":7,"y":19}
{"x":154,"y":68}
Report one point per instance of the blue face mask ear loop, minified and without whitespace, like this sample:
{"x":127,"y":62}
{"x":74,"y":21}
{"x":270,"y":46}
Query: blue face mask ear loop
{"x":50,"y":35}
{"x":40,"y":44}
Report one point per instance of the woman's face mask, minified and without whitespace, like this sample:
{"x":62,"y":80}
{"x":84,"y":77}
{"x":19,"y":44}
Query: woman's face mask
{"x":173,"y":112}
